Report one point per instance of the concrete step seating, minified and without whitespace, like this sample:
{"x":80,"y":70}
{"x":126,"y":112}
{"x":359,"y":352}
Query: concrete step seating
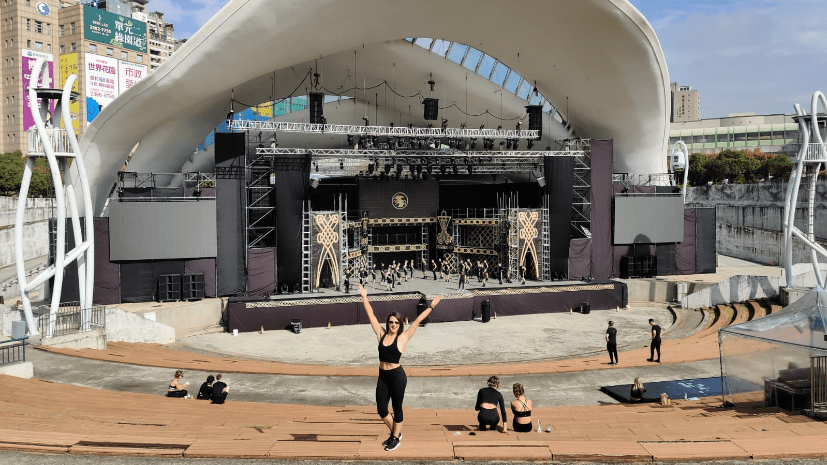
{"x":39,"y":416}
{"x":702,"y":344}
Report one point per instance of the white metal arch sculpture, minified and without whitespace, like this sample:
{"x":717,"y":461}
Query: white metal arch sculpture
{"x":810,"y":158}
{"x":58,"y":146}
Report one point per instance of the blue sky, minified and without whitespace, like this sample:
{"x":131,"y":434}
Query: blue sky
{"x":741,"y":55}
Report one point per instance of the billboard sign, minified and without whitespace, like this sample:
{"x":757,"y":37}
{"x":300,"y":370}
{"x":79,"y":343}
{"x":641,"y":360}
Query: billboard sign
{"x":101,"y":83}
{"x":28,"y":60}
{"x":111,"y":29}
{"x":129,"y":74}
{"x":68,"y":67}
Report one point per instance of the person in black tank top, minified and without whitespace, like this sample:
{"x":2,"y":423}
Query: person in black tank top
{"x":390,"y":386}
{"x":521,"y":408}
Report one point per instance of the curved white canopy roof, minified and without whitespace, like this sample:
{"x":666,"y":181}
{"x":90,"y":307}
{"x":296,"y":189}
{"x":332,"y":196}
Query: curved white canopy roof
{"x":598,"y":61}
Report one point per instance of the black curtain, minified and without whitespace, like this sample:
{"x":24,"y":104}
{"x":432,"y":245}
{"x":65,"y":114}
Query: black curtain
{"x":559,"y":174}
{"x":602,"y":166}
{"x":230,"y":196}
{"x":205,"y":266}
{"x":262,"y":277}
{"x":666,"y":259}
{"x":292,"y":181}
{"x":580,"y":257}
{"x":705,"y":240}
{"x":685,"y":251}
{"x":69,"y":290}
{"x":107,"y":288}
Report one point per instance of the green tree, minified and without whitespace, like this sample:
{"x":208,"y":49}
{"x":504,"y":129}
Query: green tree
{"x":735,"y":166}
{"x":11,"y":175}
{"x":699,"y":169}
{"x":11,"y":172}
{"x":780,"y":166}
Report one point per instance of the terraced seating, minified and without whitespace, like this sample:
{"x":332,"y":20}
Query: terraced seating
{"x":116,"y":423}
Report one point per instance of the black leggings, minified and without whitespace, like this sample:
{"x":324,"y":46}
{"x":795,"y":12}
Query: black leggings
{"x":488,"y":417}
{"x":391,"y":387}
{"x":182,"y":393}
{"x":655,"y":346}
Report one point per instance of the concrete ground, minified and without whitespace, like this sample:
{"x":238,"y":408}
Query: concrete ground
{"x":502,"y":340}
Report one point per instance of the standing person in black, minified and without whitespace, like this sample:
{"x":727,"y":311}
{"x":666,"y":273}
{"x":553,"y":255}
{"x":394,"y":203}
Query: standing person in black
{"x":392,"y":379}
{"x":611,"y":343}
{"x":487,"y":400}
{"x":499,"y":271}
{"x":462,"y":279}
{"x":655,"y":342}
{"x":433,"y":268}
{"x":347,"y":280}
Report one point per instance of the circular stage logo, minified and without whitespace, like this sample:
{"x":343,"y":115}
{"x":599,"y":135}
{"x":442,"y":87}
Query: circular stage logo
{"x":43,"y":8}
{"x":399,"y":200}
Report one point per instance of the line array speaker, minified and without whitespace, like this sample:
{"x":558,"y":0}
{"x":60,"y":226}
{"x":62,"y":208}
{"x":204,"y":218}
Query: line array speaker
{"x":316,"y":102}
{"x":431,"y":108}
{"x":535,"y":118}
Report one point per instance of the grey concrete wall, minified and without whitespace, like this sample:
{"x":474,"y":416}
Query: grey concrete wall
{"x":749,"y":218}
{"x":7,"y":316}
{"x":130,"y":327}
{"x":23,"y":370}
{"x":186,"y":318}
{"x":35,"y":230}
{"x":95,"y":339}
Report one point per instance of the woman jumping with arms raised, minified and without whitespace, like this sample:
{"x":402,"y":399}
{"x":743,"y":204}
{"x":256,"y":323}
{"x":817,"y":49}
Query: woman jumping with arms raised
{"x":392,"y":379}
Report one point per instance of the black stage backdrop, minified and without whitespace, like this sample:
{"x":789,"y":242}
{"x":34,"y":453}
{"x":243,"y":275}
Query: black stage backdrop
{"x":231,"y":276}
{"x":292,"y":181}
{"x":139,"y":279}
{"x":559,"y":173}
{"x":404,"y":198}
{"x":261,"y":278}
{"x":70,"y":292}
{"x":685,"y":251}
{"x":705,"y":237}
{"x":107,"y":289}
{"x":580,"y":256}
{"x":449,"y":309}
{"x":207,"y":267}
{"x":602,"y":160}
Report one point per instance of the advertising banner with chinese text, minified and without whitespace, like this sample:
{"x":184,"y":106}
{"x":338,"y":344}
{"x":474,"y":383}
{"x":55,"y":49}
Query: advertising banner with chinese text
{"x":68,"y":67}
{"x":111,"y":29}
{"x":101,"y":83}
{"x":129,"y":74}
{"x":28,"y":60}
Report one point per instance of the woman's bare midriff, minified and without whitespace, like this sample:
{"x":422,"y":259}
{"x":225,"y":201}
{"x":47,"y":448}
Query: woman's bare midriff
{"x":388,"y":365}
{"x":487,"y":405}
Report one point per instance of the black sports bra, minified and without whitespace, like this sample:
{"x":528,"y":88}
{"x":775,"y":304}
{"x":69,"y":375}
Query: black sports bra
{"x":391,"y":353}
{"x":523,"y":414}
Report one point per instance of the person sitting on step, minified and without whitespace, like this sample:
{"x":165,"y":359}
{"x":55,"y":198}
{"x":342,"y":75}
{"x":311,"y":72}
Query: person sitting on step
{"x":205,"y":393}
{"x":177,"y":387}
{"x":219,"y":390}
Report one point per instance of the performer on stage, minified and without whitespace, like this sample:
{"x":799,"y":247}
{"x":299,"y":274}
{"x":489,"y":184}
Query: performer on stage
{"x":462,"y":278}
{"x":424,"y":268}
{"x":433,"y":268}
{"x":387,"y":276}
{"x":405,"y":270}
{"x":373,"y":275}
{"x":348,"y":272}
{"x":499,"y":271}
{"x":390,"y":387}
{"x":410,"y":270}
{"x":522,"y":273}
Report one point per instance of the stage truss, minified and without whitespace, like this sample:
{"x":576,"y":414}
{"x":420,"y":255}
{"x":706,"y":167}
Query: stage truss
{"x":393,"y":131}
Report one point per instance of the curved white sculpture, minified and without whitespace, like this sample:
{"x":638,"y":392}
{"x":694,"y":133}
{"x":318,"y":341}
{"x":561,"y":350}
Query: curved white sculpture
{"x":810,"y":158}
{"x":58,"y":146}
{"x":598,"y":61}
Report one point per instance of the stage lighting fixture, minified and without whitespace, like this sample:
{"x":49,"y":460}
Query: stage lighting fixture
{"x":425,"y":176}
{"x":341,"y":164}
{"x":519,"y":124}
{"x":472,"y":144}
{"x":316,"y":165}
{"x":470,"y":169}
{"x":502,"y":146}
{"x":314,"y":183}
{"x":430,"y":168}
{"x":351,"y":140}
{"x":399,"y":168}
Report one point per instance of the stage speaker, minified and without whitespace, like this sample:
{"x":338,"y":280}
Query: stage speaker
{"x":431,"y":108}
{"x":627,"y":267}
{"x":315,"y":105}
{"x":485,"y":310}
{"x":192,"y":286}
{"x":296,"y":325}
{"x":420,"y":307}
{"x":535,"y":118}
{"x":585,"y":308}
{"x":169,"y":287}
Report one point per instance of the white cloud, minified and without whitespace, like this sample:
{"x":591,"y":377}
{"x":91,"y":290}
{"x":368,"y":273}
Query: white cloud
{"x":187,"y":15}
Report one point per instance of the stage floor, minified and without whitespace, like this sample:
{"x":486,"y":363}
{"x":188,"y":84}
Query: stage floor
{"x":426,"y":286}
{"x":502,"y":340}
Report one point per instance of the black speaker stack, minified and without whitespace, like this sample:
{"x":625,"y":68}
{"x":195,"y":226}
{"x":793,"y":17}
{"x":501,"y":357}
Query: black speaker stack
{"x":173,"y":287}
{"x":316,"y":102}
{"x":638,"y":267}
{"x":431,"y":108}
{"x":535,"y":118}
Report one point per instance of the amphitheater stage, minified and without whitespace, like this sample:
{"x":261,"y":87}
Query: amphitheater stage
{"x":337,"y":308}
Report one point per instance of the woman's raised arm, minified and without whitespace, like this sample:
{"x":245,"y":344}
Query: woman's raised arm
{"x":374,"y":323}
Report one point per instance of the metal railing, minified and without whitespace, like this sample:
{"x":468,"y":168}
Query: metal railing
{"x":816,"y":153}
{"x":59,"y":141}
{"x":13,"y":351}
{"x":818,"y":380}
{"x":73,"y":320}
